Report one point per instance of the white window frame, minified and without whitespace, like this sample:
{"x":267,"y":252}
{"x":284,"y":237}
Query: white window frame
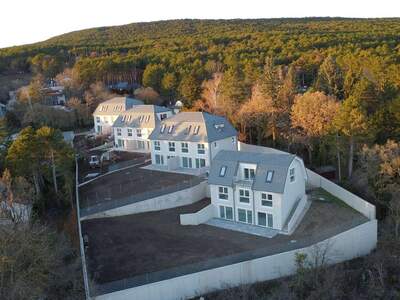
{"x":248,"y":214}
{"x":292,"y":175}
{"x":130,"y":132}
{"x":223,"y":212}
{"x":139,"y":132}
{"x":223,"y":193}
{"x":171,"y":146}
{"x":222,"y":171}
{"x":251,"y":173}
{"x":184,"y":147}
{"x":157,"y":145}
{"x":201,"y":148}
{"x":200,"y":163}
{"x":119,"y":131}
{"x":242,"y":196}
{"x":266,"y":200}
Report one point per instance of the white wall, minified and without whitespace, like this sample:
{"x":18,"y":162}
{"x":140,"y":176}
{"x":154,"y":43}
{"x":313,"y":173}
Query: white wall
{"x":192,"y":152}
{"x":179,"y":198}
{"x":359,"y":204}
{"x":275,"y":210}
{"x":293,"y":190}
{"x":356,"y":242}
{"x":199,"y":217}
{"x":229,"y":143}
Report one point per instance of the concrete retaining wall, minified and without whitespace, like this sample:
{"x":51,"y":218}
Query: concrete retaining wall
{"x":299,"y":212}
{"x":179,"y":198}
{"x":359,"y":204}
{"x":358,"y":241}
{"x":199,"y":217}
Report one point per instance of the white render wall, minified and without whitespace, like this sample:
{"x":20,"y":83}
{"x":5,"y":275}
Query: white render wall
{"x":293,"y":190}
{"x":229,"y":143}
{"x":179,"y":198}
{"x":106,"y":122}
{"x":199,"y":217}
{"x":192,"y":153}
{"x":356,"y":242}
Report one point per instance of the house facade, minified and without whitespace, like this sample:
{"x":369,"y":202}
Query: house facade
{"x":190,"y":140}
{"x":133,"y":127}
{"x":257,"y":188}
{"x":108,"y":111}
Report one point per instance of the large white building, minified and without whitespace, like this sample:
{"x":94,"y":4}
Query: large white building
{"x":257,"y":188}
{"x":108,"y":111}
{"x":190,"y":140}
{"x":133,"y":127}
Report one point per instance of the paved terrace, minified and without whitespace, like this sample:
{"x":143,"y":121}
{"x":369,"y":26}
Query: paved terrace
{"x":129,"y":186}
{"x":129,"y":251}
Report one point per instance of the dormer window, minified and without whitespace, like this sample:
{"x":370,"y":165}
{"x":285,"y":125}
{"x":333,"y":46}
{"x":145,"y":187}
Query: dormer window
{"x":249,"y":174}
{"x":222,"y":171}
{"x":270,"y":175}
{"x":162,"y":128}
{"x":196,"y":129}
{"x":170,"y":129}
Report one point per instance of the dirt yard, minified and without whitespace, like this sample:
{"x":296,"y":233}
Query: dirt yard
{"x":128,"y":246}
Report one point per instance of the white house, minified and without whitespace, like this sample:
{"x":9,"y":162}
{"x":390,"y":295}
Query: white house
{"x":133,"y":127}
{"x":190,"y":140}
{"x":108,"y":111}
{"x":262,"y":189}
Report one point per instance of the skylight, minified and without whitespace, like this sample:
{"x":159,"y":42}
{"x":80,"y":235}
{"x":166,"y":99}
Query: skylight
{"x":162,"y":128}
{"x":170,"y":129}
{"x":188,"y":129}
{"x":196,"y":129}
{"x":270,"y":175}
{"x":222,"y":171}
{"x":147,"y":118}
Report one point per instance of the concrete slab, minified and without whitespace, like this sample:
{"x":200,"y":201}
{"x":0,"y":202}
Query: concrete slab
{"x":241,"y":227}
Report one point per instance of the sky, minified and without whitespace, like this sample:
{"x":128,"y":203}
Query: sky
{"x":29,"y":21}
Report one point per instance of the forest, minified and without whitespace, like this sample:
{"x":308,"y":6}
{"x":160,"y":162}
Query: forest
{"x":327,"y":89}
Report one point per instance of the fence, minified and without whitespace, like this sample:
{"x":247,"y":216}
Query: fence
{"x":100,"y":207}
{"x":352,"y":230}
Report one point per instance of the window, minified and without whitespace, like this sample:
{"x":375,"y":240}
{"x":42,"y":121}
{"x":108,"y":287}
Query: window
{"x":186,"y":162}
{"x":97,"y":119}
{"x":119,"y":131}
{"x":129,"y":131}
{"x":200,"y":163}
{"x":188,"y":129}
{"x":159,"y":159}
{"x":157,"y":145}
{"x":163,"y":116}
{"x":170,"y":129}
{"x":196,"y":129}
{"x":222,"y":171}
{"x":270,"y":220}
{"x":226,"y":212}
{"x":262,"y":219}
{"x":147,"y":119}
{"x":233,"y":140}
{"x":139,"y":132}
{"x":265,"y":220}
{"x":249,"y":174}
{"x":201,"y":148}
{"x":266,"y":200}
{"x":291,"y":173}
{"x":121,"y":143}
{"x":184,"y":147}
{"x":98,"y":128}
{"x":141,"y":119}
{"x":245,"y":216}
{"x":162,"y":128}
{"x":244,"y":196}
{"x":171,"y":146}
{"x":270,"y":175}
{"x":223,"y":193}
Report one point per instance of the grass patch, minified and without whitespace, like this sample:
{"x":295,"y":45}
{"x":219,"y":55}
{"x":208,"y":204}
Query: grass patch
{"x":321,"y":193}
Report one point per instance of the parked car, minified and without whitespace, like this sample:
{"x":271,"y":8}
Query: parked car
{"x":94,"y":161}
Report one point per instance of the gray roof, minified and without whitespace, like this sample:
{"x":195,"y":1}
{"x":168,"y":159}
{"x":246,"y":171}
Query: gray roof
{"x":116,"y":105}
{"x":140,"y":116}
{"x":210,"y":128}
{"x":276,"y":162}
